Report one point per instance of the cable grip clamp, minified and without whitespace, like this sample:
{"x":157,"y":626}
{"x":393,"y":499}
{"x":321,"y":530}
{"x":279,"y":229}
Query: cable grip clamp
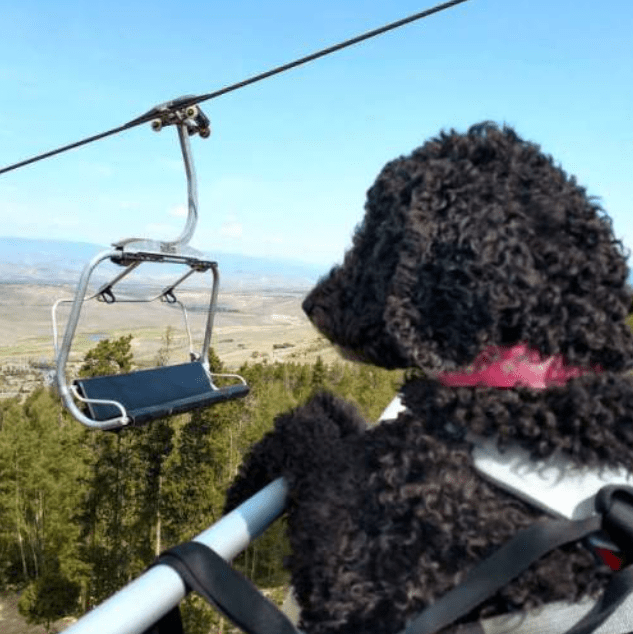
{"x":182,"y":111}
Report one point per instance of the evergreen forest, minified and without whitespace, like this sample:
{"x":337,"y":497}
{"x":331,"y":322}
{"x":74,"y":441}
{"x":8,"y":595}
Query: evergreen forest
{"x":84,"y":512}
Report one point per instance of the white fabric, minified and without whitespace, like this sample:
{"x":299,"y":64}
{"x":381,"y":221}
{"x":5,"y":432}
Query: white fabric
{"x":392,"y":410}
{"x":555,"y":485}
{"x":557,"y":618}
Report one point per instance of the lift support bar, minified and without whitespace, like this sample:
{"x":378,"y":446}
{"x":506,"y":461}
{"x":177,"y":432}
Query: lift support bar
{"x":145,"y":600}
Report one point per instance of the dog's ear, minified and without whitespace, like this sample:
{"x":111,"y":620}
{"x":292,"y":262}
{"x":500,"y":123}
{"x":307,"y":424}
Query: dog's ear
{"x":437,"y":312}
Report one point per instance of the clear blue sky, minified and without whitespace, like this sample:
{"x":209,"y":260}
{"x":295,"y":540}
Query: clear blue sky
{"x":286,"y":169}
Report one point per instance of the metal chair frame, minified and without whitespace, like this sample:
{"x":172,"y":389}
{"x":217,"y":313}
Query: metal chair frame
{"x":131,"y":253}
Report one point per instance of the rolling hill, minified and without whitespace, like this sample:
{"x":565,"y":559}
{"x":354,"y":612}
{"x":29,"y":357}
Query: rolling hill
{"x":28,"y":261}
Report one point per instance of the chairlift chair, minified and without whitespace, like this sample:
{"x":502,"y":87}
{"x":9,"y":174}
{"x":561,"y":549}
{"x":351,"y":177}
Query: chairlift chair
{"x":141,"y":396}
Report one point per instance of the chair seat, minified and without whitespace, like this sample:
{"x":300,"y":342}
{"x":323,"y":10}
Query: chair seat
{"x":151,"y":394}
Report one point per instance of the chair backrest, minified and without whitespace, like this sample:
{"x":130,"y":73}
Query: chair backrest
{"x":151,"y":394}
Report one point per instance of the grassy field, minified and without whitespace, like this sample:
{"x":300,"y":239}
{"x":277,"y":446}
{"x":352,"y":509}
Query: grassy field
{"x":248,"y":326}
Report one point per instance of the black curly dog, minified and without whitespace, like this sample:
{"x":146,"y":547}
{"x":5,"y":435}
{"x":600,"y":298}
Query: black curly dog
{"x":473,"y":240}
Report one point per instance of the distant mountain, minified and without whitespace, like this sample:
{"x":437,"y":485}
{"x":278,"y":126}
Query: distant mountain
{"x":24,"y":260}
{"x":58,"y":262}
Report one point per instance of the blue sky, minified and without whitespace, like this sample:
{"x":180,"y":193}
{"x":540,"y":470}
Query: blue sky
{"x":286,"y":169}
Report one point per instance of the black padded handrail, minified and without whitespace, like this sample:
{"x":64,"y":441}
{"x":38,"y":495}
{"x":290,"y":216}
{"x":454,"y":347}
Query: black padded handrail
{"x":148,"y":395}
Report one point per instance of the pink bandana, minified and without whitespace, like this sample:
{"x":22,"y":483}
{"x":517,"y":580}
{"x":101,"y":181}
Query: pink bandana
{"x":504,"y":367}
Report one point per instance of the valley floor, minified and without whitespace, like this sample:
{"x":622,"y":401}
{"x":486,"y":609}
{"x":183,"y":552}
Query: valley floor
{"x":248,"y":327}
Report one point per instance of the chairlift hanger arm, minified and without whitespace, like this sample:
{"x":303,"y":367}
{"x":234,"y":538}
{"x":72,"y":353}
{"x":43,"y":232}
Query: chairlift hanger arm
{"x":189,"y":121}
{"x":191,"y":100}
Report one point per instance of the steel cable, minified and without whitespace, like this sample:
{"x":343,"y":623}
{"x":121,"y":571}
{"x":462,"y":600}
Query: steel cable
{"x":183,"y":102}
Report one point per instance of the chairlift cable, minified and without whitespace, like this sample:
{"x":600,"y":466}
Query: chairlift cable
{"x":194,"y":99}
{"x":329,"y":50}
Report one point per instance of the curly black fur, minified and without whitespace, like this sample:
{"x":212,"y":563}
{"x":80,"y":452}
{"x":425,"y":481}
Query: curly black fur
{"x":383,"y":521}
{"x":473,"y":240}
{"x":477,"y":239}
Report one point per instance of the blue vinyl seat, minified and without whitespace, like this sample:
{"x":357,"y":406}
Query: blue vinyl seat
{"x":148,"y":395}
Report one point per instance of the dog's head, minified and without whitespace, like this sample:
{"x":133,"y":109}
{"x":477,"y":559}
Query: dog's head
{"x":473,"y":240}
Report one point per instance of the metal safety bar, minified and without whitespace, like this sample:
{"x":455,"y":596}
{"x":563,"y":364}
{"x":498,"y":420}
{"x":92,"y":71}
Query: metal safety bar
{"x":106,"y":295}
{"x":144,"y":601}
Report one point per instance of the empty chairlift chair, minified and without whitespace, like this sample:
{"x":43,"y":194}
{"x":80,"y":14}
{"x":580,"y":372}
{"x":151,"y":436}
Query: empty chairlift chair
{"x":139,"y":397}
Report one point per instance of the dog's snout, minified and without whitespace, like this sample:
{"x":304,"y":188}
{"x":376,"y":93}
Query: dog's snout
{"x":308,"y":306}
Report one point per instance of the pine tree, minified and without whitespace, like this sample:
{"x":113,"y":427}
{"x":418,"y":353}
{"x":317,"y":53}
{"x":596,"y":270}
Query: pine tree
{"x":164,"y":352}
{"x":108,"y":357}
{"x":196,"y":477}
{"x":107,"y":515}
{"x":41,"y":465}
{"x":49,"y":598}
{"x":318,"y":374}
{"x":88,"y":511}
